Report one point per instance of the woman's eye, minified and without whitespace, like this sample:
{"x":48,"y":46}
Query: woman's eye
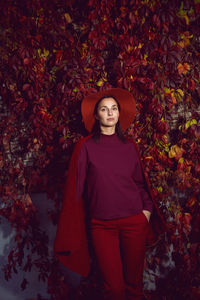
{"x":115,"y":108}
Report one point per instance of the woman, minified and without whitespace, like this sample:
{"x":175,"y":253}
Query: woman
{"x":105,"y":168}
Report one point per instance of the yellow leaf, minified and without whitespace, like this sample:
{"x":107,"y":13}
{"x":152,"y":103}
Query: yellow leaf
{"x":176,"y":152}
{"x":181,"y":7}
{"x":45,"y":53}
{"x":167,"y":149}
{"x":180,"y":127}
{"x":84,"y":46}
{"x":105,"y":76}
{"x":187,"y":20}
{"x":187,"y":124}
{"x":160,"y":189}
{"x":100,"y":82}
{"x":167,"y":90}
{"x":172,"y":152}
{"x":181,"y":160}
{"x":68,"y":18}
{"x":193,"y":121}
{"x":180,"y":92}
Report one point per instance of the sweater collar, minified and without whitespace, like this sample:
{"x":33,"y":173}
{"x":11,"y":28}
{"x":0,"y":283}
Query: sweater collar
{"x":108,"y":137}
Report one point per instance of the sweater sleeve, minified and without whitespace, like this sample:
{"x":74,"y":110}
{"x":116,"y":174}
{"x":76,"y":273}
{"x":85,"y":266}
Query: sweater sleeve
{"x":81,"y":172}
{"x":141,"y":184}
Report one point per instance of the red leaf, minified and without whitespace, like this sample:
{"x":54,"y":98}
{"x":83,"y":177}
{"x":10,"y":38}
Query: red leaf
{"x":156,"y":21}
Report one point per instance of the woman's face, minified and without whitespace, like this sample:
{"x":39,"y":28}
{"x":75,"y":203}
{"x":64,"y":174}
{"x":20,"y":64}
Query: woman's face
{"x":108,"y":112}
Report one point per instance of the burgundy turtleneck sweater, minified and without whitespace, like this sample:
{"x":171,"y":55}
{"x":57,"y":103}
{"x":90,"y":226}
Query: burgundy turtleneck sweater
{"x":115,"y":183}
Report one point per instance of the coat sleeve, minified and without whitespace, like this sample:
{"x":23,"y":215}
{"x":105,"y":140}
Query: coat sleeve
{"x":82,"y":166}
{"x":71,"y":246}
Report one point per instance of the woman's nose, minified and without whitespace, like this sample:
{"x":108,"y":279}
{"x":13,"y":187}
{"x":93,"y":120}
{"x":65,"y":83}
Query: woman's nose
{"x":110,"y":112}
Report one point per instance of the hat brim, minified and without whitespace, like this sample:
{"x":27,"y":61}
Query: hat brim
{"x":126,"y":102}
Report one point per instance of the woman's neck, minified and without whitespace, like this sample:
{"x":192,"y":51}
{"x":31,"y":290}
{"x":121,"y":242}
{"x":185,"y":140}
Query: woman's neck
{"x":107,"y":130}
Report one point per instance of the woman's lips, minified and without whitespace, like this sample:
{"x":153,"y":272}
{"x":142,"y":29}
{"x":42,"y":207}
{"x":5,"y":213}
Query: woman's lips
{"x":110,"y":119}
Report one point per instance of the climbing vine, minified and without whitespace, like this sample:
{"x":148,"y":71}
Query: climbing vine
{"x":53,"y":53}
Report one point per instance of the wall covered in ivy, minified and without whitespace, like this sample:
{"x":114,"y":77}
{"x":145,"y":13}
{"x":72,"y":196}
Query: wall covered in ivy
{"x":53,"y":53}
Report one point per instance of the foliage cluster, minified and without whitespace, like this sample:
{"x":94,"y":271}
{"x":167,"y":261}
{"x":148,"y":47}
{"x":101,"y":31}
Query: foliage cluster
{"x":53,"y":53}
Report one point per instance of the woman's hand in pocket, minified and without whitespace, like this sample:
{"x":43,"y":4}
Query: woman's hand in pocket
{"x":147,"y":214}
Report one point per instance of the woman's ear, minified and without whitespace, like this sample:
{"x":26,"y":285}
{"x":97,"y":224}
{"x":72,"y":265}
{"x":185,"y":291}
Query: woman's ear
{"x":96,"y":117}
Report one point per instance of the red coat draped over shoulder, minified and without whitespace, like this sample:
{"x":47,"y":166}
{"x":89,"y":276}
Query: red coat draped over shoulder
{"x":71,"y":245}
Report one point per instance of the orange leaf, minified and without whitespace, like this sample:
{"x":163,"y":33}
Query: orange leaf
{"x":182,"y":69}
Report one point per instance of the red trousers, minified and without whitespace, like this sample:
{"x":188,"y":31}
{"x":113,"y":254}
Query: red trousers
{"x":119,"y":246}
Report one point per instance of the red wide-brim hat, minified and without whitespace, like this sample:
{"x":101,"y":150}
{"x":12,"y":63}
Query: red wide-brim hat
{"x":126,"y":102}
